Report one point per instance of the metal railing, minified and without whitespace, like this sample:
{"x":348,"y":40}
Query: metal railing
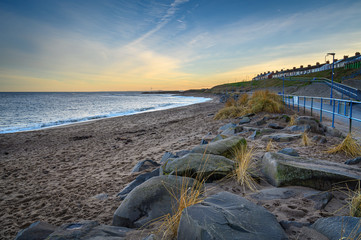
{"x":338,"y":107}
{"x":344,"y":89}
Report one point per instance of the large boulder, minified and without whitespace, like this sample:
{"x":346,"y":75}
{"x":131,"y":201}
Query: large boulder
{"x":284,"y":170}
{"x":281,"y":137}
{"x":228,"y":216}
{"x":88,"y":230}
{"x":150,"y":200}
{"x":198,"y":165}
{"x":315,"y":126}
{"x":139,"y":180}
{"x":336,"y":228}
{"x":36,"y":231}
{"x":145,"y":164}
{"x":224,"y":147}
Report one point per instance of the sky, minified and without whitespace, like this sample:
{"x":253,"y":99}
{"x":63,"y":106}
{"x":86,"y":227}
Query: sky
{"x":142,"y":45}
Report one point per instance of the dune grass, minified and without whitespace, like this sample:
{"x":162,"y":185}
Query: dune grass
{"x":293,"y":120}
{"x":270,"y":146}
{"x":355,"y":203}
{"x":245,"y":167}
{"x":349,"y":146}
{"x":260,"y":101}
{"x":305,"y":140}
{"x":188,"y":196}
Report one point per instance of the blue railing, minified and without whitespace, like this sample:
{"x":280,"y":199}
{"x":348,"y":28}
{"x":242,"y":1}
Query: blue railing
{"x":338,"y":107}
{"x":346,"y":90}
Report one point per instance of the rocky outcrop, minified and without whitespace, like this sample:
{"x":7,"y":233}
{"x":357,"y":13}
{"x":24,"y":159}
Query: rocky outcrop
{"x":285,"y":170}
{"x":228,"y":216}
{"x":150,"y":200}
{"x":198,"y":165}
{"x":222,"y":147}
{"x":315,"y":126}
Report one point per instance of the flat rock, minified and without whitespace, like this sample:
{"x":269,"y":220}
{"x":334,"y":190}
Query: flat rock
{"x":275,"y":126}
{"x":88,"y":230}
{"x":36,"y":231}
{"x":319,"y":198}
{"x":150,"y":200}
{"x":320,"y":139}
{"x":336,"y":228}
{"x":145,"y":164}
{"x":244,"y":120}
{"x":166,"y":156}
{"x":139,"y":180}
{"x":195,"y":165}
{"x":334,"y":132}
{"x":284,"y":170}
{"x":222,"y":147}
{"x":228,"y":216}
{"x":297,"y":128}
{"x":353,"y":161}
{"x":227,"y":126}
{"x":282,"y":137}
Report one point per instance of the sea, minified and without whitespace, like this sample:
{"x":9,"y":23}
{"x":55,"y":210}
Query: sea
{"x":33,"y":111}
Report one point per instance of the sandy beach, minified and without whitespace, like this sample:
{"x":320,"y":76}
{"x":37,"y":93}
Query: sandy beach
{"x":53,"y":175}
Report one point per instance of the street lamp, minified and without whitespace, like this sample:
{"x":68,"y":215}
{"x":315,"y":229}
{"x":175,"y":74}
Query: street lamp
{"x":333,"y":66}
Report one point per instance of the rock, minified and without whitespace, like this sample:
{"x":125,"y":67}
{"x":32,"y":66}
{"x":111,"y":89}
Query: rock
{"x":36,"y":231}
{"x":251,"y":129}
{"x":210,"y":167}
{"x":182,"y":153}
{"x":166,"y":156}
{"x":254,"y":135}
{"x":320,"y":139}
{"x":336,"y":228}
{"x":334,"y":132}
{"x":150,"y":200}
{"x":275,"y":126}
{"x":228,"y":131}
{"x":296,"y":128}
{"x":320,"y":199}
{"x":222,"y":147}
{"x":281,"y":137}
{"x":244,"y":120}
{"x":315,"y":126}
{"x":139,"y":180}
{"x":228,"y":216}
{"x":289,"y":151}
{"x":267,"y":130}
{"x":204,"y":142}
{"x":227,"y":126}
{"x":238,"y":129}
{"x":101,"y":196}
{"x":150,"y":237}
{"x":287,"y":224}
{"x":285,"y":170}
{"x":88,"y":230}
{"x":262,"y":121}
{"x":301,"y":230}
{"x":218,"y":137}
{"x":286,"y":118}
{"x":145,"y":164}
{"x":353,"y":161}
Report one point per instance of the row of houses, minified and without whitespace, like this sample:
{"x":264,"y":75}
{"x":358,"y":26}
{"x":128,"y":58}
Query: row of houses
{"x":353,"y":62}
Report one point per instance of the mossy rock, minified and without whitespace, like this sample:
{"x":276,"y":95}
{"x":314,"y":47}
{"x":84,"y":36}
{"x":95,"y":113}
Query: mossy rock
{"x":224,"y":147}
{"x":284,"y":170}
{"x":200,"y":166}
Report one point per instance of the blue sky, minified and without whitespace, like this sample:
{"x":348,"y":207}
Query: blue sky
{"x":49,"y":45}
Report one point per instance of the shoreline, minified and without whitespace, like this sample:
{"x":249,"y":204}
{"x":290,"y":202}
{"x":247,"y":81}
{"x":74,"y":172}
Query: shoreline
{"x":96,"y":118}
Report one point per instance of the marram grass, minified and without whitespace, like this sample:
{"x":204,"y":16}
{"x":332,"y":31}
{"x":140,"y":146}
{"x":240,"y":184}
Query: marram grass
{"x":260,"y":101}
{"x":270,"y":146}
{"x":305,"y":140}
{"x":245,"y":167}
{"x":292,"y":120}
{"x":349,"y":146}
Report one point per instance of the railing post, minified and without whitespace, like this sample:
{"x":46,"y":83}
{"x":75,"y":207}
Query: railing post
{"x":311,"y":106}
{"x":333,"y":114}
{"x":350,"y":116}
{"x":304,"y":105}
{"x":321,"y":110}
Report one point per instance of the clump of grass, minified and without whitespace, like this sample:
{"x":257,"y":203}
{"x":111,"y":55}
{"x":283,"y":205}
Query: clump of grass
{"x":188,"y":196}
{"x":245,"y":167}
{"x":355,"y":203}
{"x":292,"y":120}
{"x":349,"y":146}
{"x":260,"y":101}
{"x":305,"y":140}
{"x":270,"y":146}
